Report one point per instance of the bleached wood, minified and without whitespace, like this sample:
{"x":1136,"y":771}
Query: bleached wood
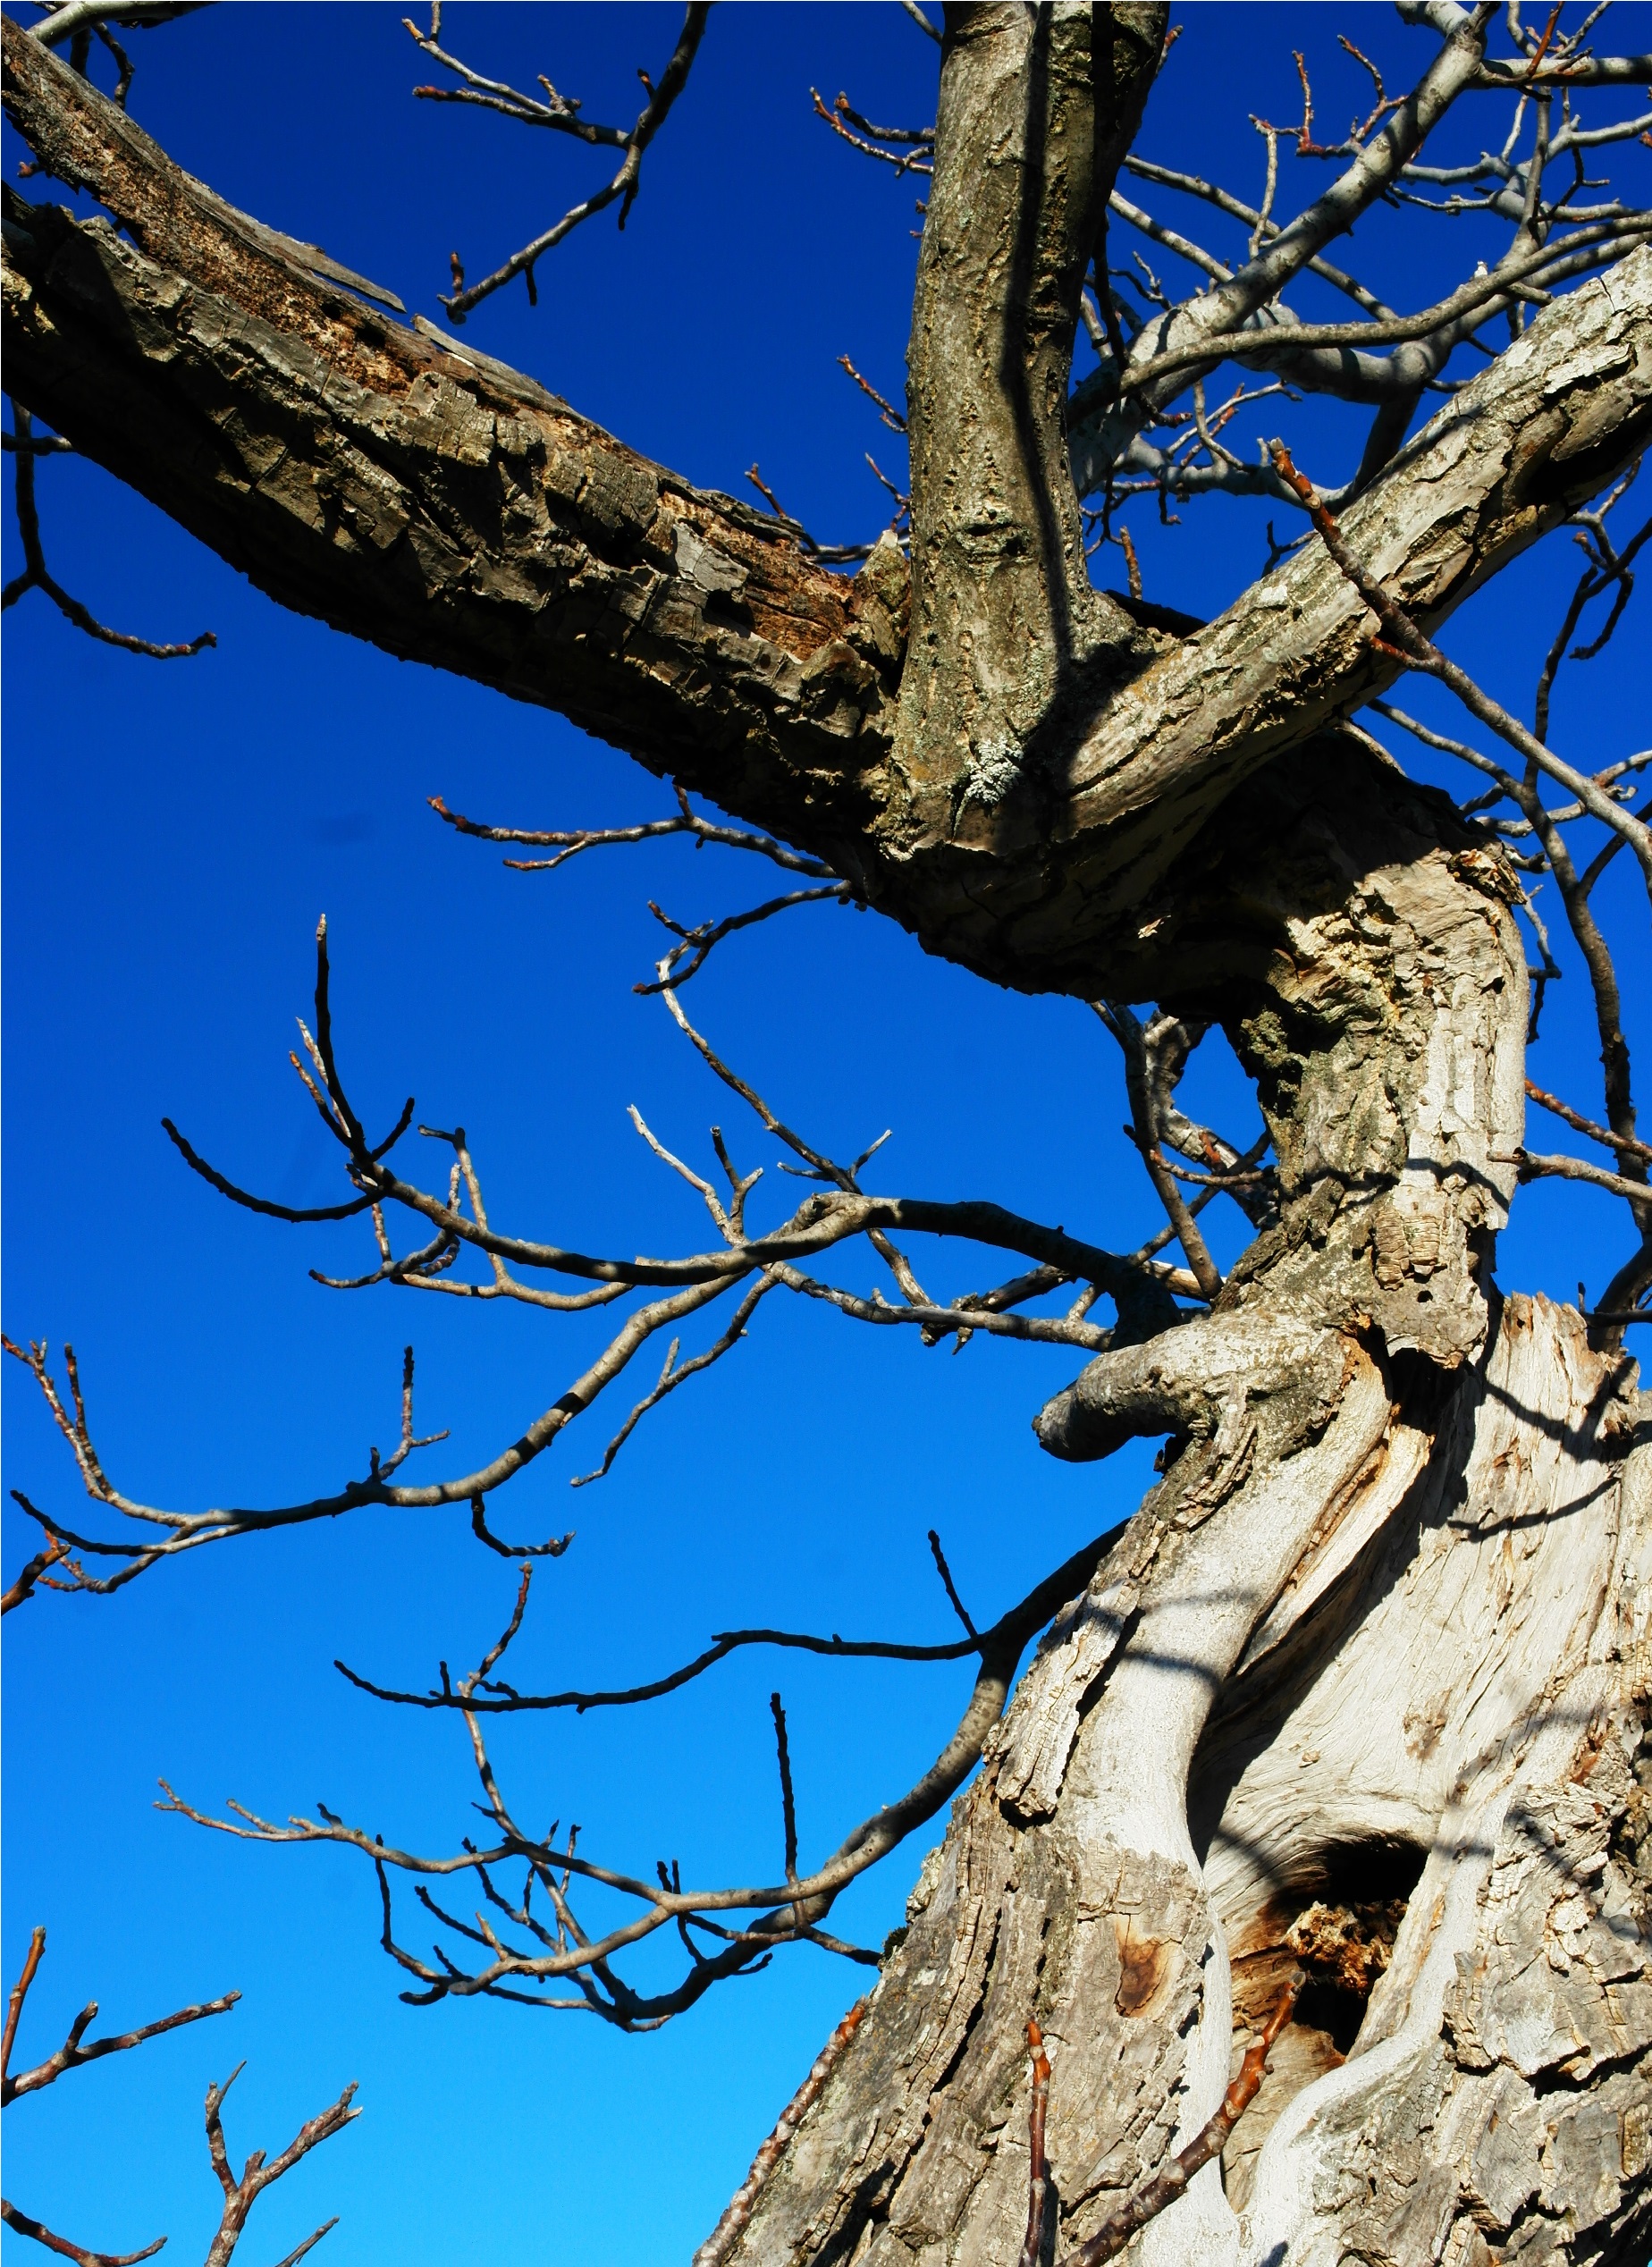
{"x":1393,"y":1593}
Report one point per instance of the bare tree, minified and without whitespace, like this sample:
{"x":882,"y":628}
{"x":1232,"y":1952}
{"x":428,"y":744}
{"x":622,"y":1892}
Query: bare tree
{"x":1339,"y":1751}
{"x":240,"y":2193}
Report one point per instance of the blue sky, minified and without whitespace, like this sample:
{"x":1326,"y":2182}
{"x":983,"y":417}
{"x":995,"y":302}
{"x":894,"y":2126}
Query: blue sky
{"x":173,"y":832}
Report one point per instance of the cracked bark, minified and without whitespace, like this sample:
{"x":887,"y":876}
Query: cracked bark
{"x":448,"y":509}
{"x":1377,"y":1643}
{"x":1383,"y":1625}
{"x":1008,"y":640}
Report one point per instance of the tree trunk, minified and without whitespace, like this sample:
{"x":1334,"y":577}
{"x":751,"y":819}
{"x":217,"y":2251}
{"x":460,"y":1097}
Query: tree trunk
{"x":1364,"y":1686}
{"x":1361,"y":1690}
{"x":1418,"y":1779}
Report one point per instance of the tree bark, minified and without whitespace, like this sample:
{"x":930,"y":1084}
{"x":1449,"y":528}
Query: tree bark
{"x":450,"y":511}
{"x":1009,"y":642}
{"x":1364,"y":1686}
{"x":1438,"y":1720}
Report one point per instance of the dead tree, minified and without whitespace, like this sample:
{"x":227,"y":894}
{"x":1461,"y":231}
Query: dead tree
{"x":1339,"y":1747}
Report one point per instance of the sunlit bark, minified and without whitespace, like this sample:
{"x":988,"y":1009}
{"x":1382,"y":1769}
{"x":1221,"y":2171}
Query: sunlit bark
{"x":1364,"y":1686}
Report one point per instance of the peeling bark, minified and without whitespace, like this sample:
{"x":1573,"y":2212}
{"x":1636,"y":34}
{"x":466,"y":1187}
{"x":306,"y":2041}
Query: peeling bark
{"x":1364,"y":1686}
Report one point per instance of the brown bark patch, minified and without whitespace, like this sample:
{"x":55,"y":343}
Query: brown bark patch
{"x":1145,"y":1964}
{"x":1339,"y":1932}
{"x":1346,"y":1948}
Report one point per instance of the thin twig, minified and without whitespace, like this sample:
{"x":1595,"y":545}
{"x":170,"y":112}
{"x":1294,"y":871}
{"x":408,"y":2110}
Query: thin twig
{"x":1038,"y":2175}
{"x":890,"y":414}
{"x":727,"y":2233}
{"x":945,"y":1572}
{"x":788,"y":1801}
{"x":36,"y":575}
{"x":687,"y":958}
{"x":22,"y":2224}
{"x":1406,"y":642}
{"x":1623,"y":1144}
{"x":1127,"y":1029}
{"x":1159,"y":2192}
{"x":1538,"y":1167}
{"x":555,"y":113}
{"x":788,"y":1911}
{"x":1554,"y":262}
{"x":569,"y":844}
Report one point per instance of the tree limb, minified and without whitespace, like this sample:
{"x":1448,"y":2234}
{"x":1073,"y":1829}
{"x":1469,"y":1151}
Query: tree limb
{"x":724,"y":656}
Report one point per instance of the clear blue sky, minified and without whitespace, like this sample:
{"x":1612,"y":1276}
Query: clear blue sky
{"x":173,"y":832}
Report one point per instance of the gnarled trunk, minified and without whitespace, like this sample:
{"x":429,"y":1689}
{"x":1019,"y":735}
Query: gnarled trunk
{"x":1364,"y":1686}
{"x":1361,"y":1690}
{"x":1417,"y":1780}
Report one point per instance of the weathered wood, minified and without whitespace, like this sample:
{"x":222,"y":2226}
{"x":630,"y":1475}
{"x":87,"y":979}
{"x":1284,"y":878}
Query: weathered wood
{"x":418,"y":494}
{"x":1364,"y":1685}
{"x":1373,"y":1653}
{"x":450,"y":511}
{"x":1484,"y":1707}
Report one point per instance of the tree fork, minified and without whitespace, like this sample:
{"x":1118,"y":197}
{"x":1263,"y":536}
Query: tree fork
{"x":1382,"y":1626}
{"x":450,"y":511}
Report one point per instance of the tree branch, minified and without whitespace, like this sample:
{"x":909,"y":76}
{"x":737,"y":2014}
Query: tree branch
{"x":787,"y":656}
{"x":239,"y":2195}
{"x":558,"y":112}
{"x":794,"y":1908}
{"x":1538,"y":1167}
{"x":74,"y":2053}
{"x":746,"y":671}
{"x":1141,"y":1286}
{"x":738,"y":2213}
{"x":36,"y":576}
{"x":22,"y":2225}
{"x":1162,"y":2191}
{"x":1624,"y":1142}
{"x":1421,"y":652}
{"x":569,"y":844}
{"x":1223,"y":310}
